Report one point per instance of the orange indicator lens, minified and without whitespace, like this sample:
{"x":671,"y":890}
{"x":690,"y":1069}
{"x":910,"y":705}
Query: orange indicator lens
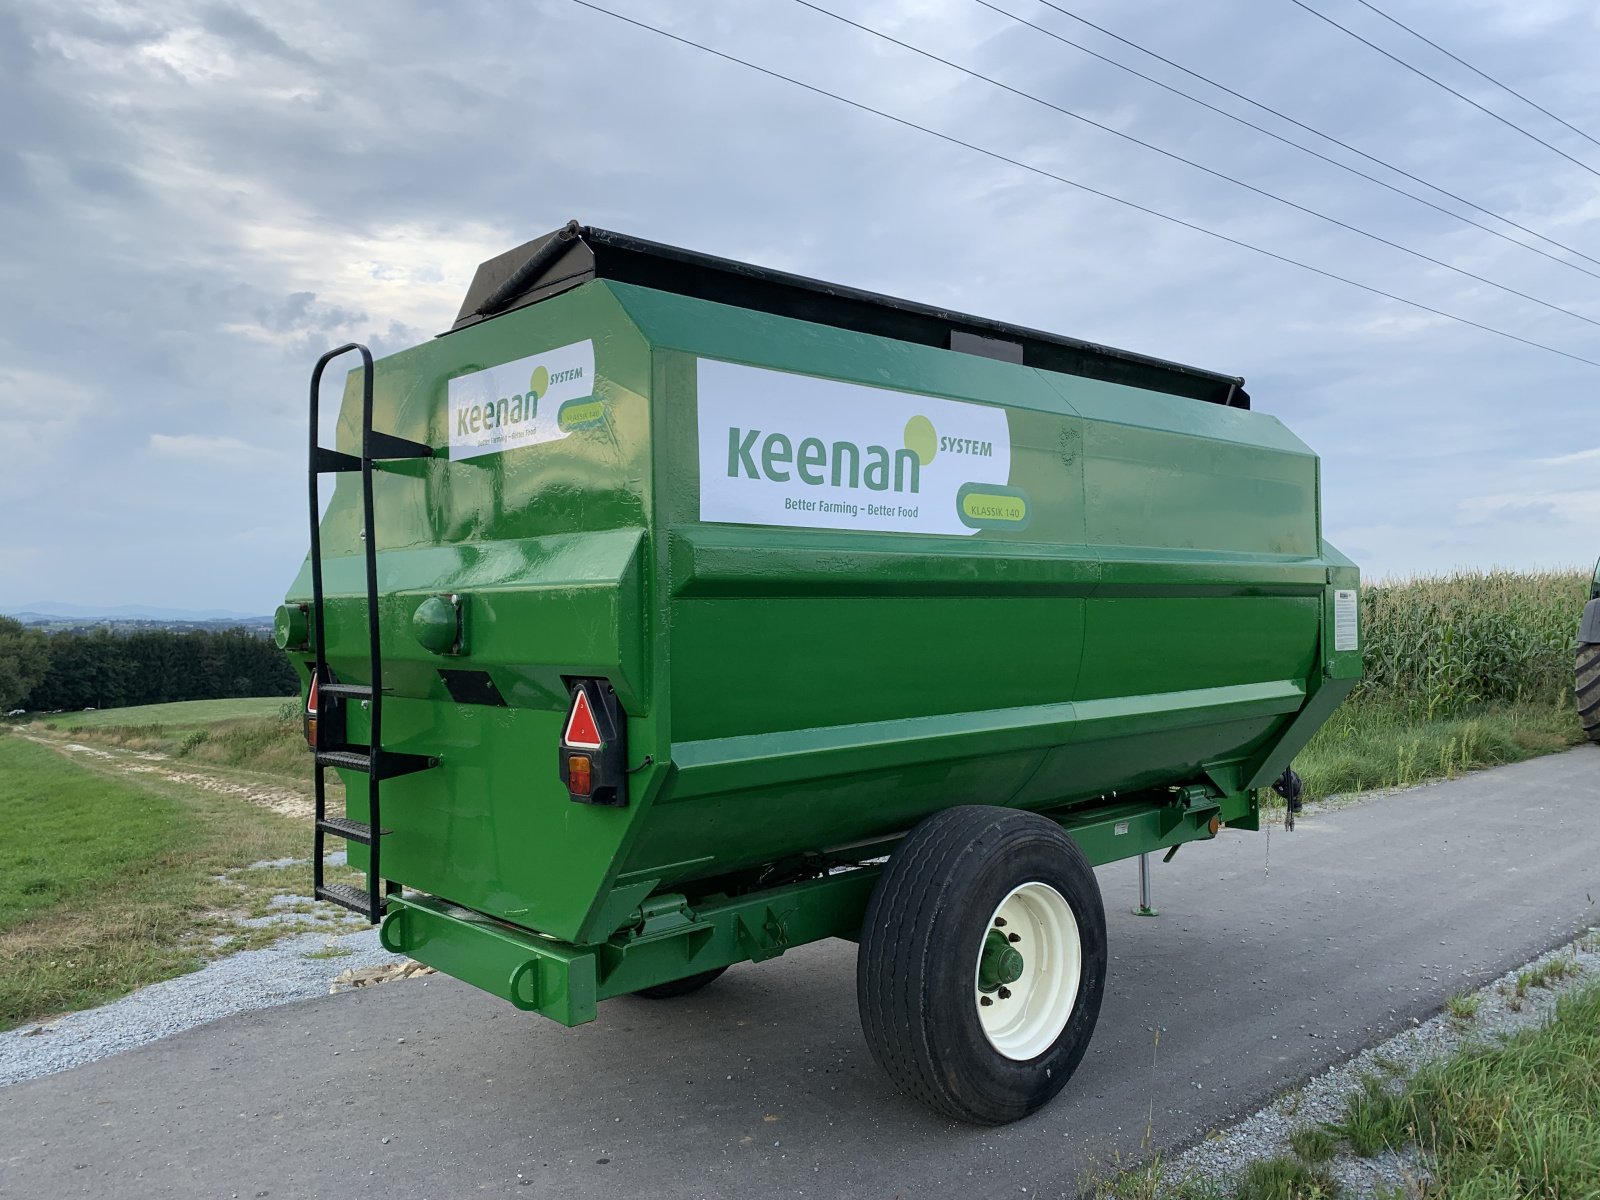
{"x":579,"y":779}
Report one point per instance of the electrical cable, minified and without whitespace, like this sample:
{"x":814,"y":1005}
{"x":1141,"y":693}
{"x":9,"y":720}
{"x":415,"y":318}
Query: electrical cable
{"x":1506,"y":121}
{"x":1327,"y":137}
{"x":1189,"y":162}
{"x":1072,"y":183}
{"x":1505,"y":87}
{"x":1304,"y":149}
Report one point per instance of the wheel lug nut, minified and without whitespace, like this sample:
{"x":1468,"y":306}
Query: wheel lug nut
{"x":985,"y":1001}
{"x":1004,"y":993}
{"x":1013,"y":937}
{"x":999,"y":922}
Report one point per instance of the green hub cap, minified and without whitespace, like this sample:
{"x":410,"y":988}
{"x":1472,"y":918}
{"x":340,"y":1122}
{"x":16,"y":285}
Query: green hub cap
{"x":437,"y":625}
{"x":1000,"y":964}
{"x":289,"y":627}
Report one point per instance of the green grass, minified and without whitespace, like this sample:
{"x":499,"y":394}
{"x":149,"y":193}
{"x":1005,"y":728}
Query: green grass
{"x":263,"y":734}
{"x":1153,"y":1182}
{"x":1462,"y":1007}
{"x":1373,"y":743}
{"x":1285,"y":1178}
{"x":330,"y":952}
{"x":271,"y":744}
{"x":186,"y":714}
{"x":1520,"y":1118}
{"x":1371,"y":1121}
{"x":1313,"y":1143}
{"x":109,"y":882}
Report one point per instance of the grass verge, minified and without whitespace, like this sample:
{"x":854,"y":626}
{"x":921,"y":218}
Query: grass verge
{"x":109,"y":882}
{"x":263,"y":735}
{"x":1517,"y":1119}
{"x":1370,"y":743}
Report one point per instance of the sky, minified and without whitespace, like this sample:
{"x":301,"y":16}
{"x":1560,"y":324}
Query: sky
{"x":198,"y":198}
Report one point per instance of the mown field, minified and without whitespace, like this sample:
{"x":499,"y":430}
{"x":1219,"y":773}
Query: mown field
{"x":180,"y":716}
{"x":261,"y":734}
{"x":109,"y":882}
{"x":116,"y":870}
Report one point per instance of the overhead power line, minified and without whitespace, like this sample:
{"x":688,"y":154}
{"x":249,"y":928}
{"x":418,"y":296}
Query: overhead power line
{"x":1198,"y":166}
{"x":1327,"y":137}
{"x":1072,"y":183}
{"x":1304,"y":149}
{"x":1416,"y":70}
{"x":1505,"y":87}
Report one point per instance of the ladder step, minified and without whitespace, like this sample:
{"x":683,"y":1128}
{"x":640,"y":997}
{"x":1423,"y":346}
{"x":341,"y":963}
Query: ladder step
{"x":354,"y":691}
{"x":382,"y":446}
{"x":351,"y":831}
{"x":350,"y":760}
{"x":345,"y":895}
{"x":389,"y":764}
{"x":335,"y":460}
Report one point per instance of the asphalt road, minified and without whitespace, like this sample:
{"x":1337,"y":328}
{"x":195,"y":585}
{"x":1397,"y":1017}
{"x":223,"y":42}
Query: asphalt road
{"x":1256,"y":979}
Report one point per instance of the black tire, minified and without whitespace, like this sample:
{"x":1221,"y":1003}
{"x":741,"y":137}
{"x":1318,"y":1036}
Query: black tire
{"x":680,"y":987}
{"x":925,"y":927}
{"x":1586,"y":679}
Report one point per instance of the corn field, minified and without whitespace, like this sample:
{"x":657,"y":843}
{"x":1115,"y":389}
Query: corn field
{"x":1444,"y":646}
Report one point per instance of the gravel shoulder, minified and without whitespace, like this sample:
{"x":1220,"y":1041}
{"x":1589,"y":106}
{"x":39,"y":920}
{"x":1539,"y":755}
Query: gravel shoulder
{"x":295,"y":968}
{"x":1498,"y":1010}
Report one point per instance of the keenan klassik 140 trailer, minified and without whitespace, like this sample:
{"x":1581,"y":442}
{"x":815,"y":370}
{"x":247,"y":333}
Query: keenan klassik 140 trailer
{"x":670,"y":613}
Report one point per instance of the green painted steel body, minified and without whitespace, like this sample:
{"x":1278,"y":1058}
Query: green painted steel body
{"x":1146,"y":606}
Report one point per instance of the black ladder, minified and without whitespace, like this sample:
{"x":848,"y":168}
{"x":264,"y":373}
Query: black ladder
{"x":331,"y":747}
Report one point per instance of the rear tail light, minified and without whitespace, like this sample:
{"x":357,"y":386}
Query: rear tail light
{"x":593,"y":754}
{"x":311,"y":714}
{"x":580,"y":775}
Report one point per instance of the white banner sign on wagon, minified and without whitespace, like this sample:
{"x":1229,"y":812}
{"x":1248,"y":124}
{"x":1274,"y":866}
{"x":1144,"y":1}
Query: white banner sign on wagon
{"x":778,"y":448}
{"x":518,"y":403}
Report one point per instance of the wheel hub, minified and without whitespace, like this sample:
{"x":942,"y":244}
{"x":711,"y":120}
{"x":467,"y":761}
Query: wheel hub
{"x":1025,"y":980}
{"x":1000,"y":964}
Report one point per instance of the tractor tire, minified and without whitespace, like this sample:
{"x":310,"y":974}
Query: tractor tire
{"x":680,"y":987}
{"x":982,"y":963}
{"x":1586,"y":680}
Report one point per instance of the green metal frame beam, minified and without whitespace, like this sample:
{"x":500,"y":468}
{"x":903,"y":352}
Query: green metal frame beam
{"x":672,"y":937}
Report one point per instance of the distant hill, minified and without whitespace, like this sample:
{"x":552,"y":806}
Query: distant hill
{"x":54,"y":610}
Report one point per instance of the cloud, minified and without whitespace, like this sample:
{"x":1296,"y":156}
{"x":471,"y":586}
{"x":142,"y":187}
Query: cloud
{"x":199,"y":197}
{"x":1565,"y":460}
{"x":41,"y":413}
{"x":220,"y":450}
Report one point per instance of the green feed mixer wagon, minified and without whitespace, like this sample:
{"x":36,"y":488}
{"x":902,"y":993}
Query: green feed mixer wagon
{"x":669,"y":613}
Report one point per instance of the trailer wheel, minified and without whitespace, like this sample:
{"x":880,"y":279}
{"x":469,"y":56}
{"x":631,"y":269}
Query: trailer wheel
{"x":1587,"y":682}
{"x":982,"y":963}
{"x":680,"y":987}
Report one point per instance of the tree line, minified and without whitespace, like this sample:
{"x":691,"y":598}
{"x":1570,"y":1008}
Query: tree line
{"x":102,"y":669}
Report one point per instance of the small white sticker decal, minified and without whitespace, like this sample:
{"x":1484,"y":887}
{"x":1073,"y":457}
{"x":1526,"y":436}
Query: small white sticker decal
{"x":1345,"y":634}
{"x":519,"y":403}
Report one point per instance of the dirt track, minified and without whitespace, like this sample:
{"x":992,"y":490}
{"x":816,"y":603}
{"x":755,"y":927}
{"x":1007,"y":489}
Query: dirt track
{"x":284,"y":801}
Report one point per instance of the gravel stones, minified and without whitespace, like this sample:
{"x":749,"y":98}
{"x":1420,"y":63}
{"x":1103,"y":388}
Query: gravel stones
{"x":241,"y":982}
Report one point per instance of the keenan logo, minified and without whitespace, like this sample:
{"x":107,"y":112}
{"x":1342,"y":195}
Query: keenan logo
{"x":753,"y":454}
{"x":512,"y":411}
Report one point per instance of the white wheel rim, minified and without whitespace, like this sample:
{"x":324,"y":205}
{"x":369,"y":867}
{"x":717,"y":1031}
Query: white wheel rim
{"x":1023,"y":1018}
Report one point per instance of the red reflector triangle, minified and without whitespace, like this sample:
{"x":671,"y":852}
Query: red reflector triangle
{"x":311,"y":700}
{"x":582,"y":731}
